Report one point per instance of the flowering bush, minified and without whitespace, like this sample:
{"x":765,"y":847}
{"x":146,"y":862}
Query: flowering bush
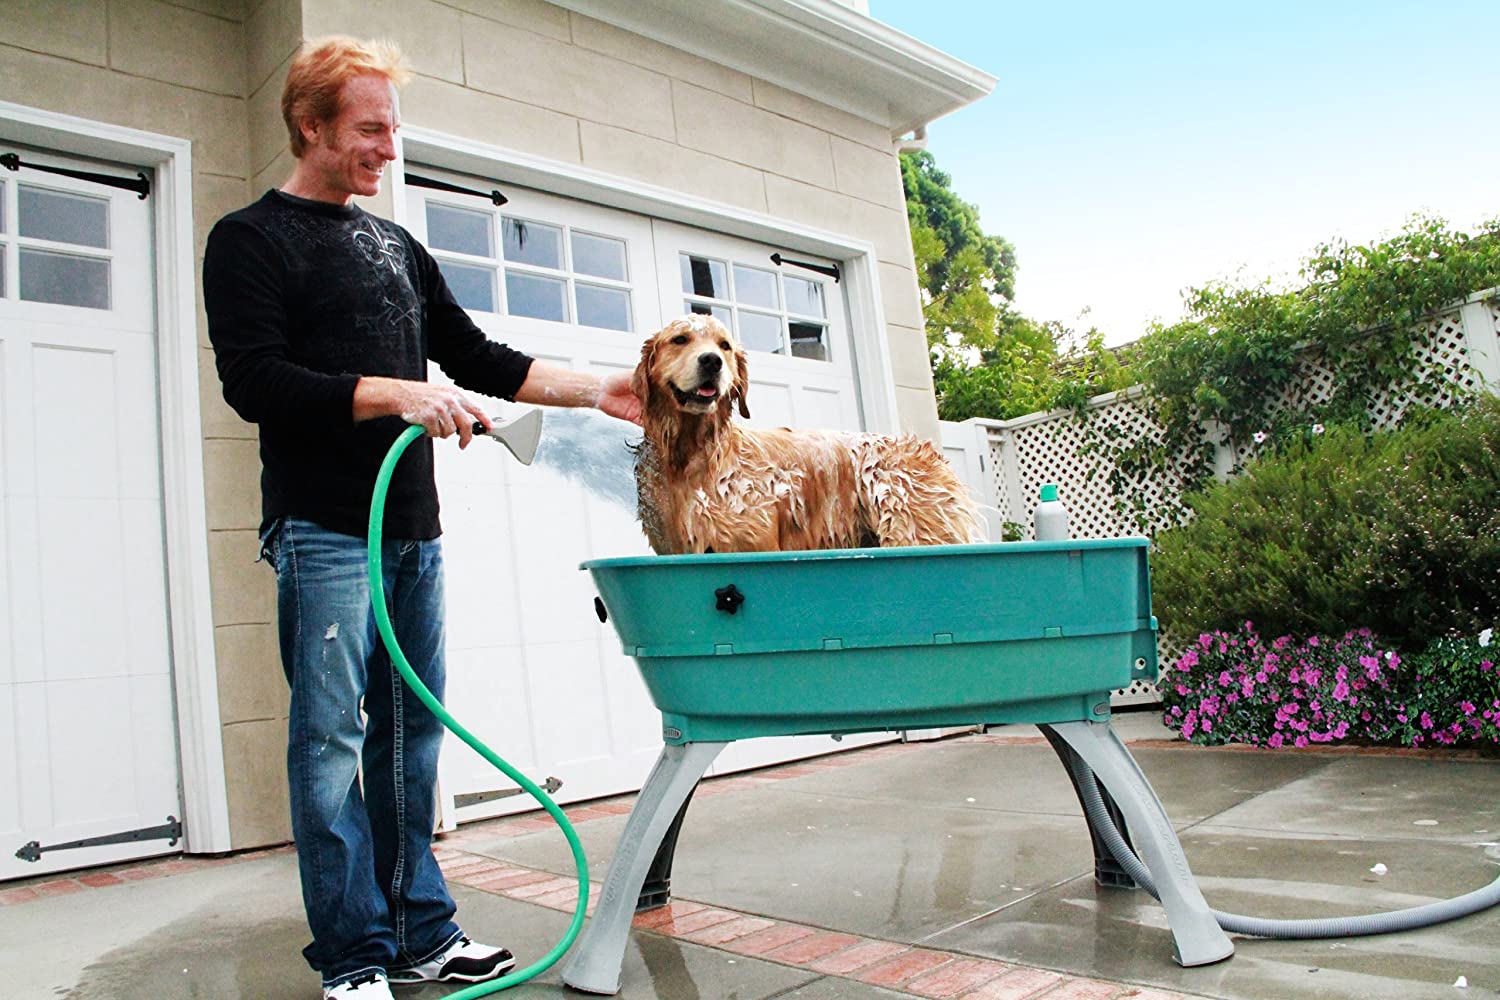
{"x":1233,"y":687}
{"x":1237,"y":688}
{"x":1454,"y":693}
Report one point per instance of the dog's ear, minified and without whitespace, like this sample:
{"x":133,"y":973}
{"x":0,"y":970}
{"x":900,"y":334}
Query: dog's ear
{"x":640,"y":379}
{"x":741,"y":387}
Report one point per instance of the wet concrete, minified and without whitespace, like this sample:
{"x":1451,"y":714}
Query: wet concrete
{"x":971,"y":847}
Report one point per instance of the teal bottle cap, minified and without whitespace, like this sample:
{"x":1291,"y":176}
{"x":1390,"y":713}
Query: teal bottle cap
{"x":1049,"y":492}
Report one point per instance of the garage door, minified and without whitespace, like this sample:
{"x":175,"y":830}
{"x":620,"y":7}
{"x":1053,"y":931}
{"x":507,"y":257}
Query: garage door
{"x":86,"y":704}
{"x":531,"y":669}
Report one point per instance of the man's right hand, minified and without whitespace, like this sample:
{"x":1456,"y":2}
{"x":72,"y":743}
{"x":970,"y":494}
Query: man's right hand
{"x":441,"y":410}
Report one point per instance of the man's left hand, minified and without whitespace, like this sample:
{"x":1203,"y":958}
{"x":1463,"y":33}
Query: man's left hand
{"x":616,"y":399}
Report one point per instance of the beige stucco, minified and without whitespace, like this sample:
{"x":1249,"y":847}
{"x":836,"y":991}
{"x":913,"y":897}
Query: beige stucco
{"x":521,"y":74}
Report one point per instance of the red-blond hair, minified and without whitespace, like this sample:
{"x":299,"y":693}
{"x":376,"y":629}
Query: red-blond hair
{"x":321,"y":68}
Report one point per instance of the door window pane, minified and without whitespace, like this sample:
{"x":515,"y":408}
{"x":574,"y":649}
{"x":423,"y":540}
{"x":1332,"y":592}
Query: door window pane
{"x":809,"y":340}
{"x":607,"y":308}
{"x":63,"y":217}
{"x":539,"y":298}
{"x":459,"y":229}
{"x":754,"y":287}
{"x":720,"y":313}
{"x":759,"y":332}
{"x":533,"y":243}
{"x":64,"y":279}
{"x":599,"y":256}
{"x":701,"y":276}
{"x":2,"y":272}
{"x":805,"y":297}
{"x":473,"y":287}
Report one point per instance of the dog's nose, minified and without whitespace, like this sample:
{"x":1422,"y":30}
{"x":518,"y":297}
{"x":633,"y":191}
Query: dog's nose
{"x":710,"y":363}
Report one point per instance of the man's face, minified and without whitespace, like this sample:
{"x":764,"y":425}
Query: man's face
{"x":348,"y":154}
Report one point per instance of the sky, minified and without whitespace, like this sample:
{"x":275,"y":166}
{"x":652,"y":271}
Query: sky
{"x":1130,"y":151}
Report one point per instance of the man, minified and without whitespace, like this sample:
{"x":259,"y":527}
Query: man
{"x":323,"y":319}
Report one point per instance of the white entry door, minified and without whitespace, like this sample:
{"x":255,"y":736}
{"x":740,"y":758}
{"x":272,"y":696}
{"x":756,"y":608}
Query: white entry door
{"x":86,"y":702}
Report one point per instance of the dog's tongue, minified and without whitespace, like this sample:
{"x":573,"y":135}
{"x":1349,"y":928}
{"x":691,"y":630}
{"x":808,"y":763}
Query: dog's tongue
{"x":707,"y":392}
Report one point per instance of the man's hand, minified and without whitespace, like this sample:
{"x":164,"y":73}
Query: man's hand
{"x":616,"y":399}
{"x":441,"y":410}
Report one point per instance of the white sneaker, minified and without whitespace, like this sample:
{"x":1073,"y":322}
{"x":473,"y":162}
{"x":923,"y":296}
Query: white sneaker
{"x":462,"y":961}
{"x":370,"y":986}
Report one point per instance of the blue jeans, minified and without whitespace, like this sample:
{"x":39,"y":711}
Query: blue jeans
{"x":374,"y":895}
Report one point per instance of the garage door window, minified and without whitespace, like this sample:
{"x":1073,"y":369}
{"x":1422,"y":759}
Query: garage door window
{"x":500,"y":263}
{"x":769,"y":311}
{"x":58,"y":236}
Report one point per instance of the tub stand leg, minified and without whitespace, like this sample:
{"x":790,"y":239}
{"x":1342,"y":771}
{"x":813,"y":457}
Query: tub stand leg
{"x":1197,"y":938}
{"x":1107,"y":871}
{"x":656,"y":890}
{"x":594,"y":966}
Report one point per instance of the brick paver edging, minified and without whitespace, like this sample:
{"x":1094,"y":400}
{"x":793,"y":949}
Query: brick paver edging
{"x":910,"y":970}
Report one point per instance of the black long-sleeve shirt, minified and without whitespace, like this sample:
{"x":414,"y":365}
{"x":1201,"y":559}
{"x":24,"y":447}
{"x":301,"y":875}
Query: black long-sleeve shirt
{"x":303,"y":298}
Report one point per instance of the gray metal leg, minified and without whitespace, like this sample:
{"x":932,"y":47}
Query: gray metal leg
{"x":1197,"y":938}
{"x":594,"y":966}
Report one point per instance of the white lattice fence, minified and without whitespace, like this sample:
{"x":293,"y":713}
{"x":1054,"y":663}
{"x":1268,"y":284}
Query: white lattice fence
{"x":1458,"y":353}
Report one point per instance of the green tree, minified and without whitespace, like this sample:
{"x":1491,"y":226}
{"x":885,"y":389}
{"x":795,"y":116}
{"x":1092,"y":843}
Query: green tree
{"x":965,"y":274}
{"x":988,"y":360}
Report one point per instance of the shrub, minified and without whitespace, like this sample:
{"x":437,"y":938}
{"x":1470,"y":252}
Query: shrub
{"x":1232,"y":687}
{"x":1453,"y":694}
{"x":1339,"y":529}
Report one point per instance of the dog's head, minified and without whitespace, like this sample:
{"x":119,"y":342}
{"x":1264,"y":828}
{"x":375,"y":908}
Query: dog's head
{"x":692,"y":365}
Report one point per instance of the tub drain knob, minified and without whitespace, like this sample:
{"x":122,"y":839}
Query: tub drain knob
{"x":728,"y":599}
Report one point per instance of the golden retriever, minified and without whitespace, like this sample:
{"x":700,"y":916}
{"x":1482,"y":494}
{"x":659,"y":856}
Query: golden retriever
{"x":706,"y":485}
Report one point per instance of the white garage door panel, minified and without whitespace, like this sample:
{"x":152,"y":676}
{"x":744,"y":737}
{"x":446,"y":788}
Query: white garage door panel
{"x":86,"y":687}
{"x":84,"y":623}
{"x":531,"y":669}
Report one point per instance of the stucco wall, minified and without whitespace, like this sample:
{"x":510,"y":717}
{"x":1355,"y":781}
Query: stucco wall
{"x":517,"y":73}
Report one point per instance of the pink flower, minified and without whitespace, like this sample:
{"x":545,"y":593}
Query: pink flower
{"x":1340,"y":691}
{"x":1312,"y":640}
{"x":1276,"y":740}
{"x":1225,"y":679}
{"x":1300,"y":741}
{"x":1426,"y":721}
{"x":1468,"y":708}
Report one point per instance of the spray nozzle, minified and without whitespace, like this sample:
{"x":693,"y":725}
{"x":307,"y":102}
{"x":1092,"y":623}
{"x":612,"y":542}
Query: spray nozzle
{"x":520,"y":435}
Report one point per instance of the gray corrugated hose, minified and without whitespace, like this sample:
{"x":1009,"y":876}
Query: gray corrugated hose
{"x":1313,"y":927}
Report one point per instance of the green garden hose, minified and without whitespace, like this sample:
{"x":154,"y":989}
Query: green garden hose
{"x":383,"y":622}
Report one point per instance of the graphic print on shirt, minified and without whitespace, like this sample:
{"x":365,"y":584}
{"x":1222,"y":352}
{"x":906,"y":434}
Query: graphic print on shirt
{"x":379,"y":249}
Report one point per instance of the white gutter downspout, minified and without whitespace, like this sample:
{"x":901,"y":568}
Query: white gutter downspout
{"x":917,"y":141}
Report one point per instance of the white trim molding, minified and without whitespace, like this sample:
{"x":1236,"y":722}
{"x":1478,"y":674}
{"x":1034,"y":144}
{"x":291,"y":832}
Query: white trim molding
{"x":857,"y":259}
{"x":199,"y":737}
{"x":821,"y":49}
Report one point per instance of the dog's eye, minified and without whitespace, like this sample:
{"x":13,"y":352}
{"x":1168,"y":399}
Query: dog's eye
{"x":724,"y":344}
{"x":681,"y":338}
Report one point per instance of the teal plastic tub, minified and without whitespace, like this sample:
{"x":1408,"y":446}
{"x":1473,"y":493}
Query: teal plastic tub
{"x":733,"y":646}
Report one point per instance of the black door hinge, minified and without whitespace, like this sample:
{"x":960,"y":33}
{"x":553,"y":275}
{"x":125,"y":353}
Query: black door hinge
{"x":170,"y":831}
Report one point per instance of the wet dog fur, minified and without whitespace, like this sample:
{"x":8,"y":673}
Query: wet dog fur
{"x":707,"y":485}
